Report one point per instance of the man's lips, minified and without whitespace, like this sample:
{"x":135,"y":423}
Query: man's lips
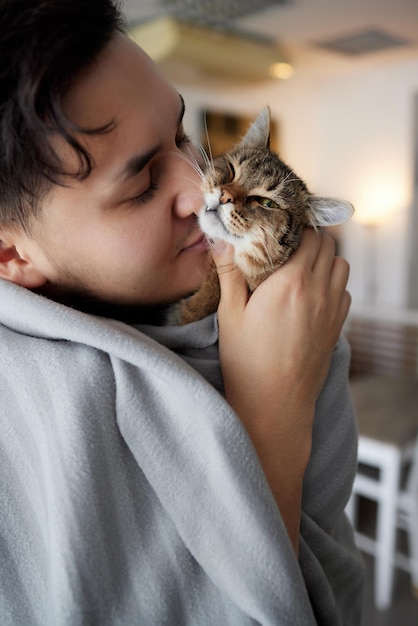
{"x":197,"y":244}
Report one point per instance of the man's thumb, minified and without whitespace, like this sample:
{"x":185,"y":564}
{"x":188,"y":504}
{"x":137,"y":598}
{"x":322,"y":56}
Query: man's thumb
{"x":233,"y":285}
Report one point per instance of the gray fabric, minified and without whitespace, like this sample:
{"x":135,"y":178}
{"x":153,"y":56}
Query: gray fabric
{"x":131,"y":494}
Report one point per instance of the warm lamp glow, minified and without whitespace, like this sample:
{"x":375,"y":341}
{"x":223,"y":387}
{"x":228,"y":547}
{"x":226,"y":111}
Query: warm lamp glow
{"x":281,"y":70}
{"x":377,"y":201}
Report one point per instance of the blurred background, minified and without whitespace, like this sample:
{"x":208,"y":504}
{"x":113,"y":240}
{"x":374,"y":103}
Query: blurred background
{"x":341,"y":79}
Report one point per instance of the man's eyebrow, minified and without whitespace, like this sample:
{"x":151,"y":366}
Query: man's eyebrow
{"x":138,"y":162}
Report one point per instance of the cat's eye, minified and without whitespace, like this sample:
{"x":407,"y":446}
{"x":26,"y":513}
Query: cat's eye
{"x":268,"y":203}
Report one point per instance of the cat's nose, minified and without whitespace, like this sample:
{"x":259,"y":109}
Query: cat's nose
{"x":226,"y":196}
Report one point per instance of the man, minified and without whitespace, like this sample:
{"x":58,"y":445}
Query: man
{"x":131,"y":490}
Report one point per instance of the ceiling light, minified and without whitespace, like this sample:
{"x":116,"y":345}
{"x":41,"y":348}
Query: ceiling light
{"x":221,"y":53}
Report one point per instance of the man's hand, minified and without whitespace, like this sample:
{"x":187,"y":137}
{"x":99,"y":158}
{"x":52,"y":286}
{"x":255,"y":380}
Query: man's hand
{"x":275,"y":350}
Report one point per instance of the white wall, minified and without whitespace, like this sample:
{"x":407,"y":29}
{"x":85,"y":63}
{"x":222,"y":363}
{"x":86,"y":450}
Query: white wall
{"x":351,"y":137}
{"x":366,"y":154}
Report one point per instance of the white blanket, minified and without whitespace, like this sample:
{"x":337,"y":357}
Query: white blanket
{"x":131,"y":494}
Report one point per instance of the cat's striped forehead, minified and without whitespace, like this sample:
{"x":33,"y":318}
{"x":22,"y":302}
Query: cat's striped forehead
{"x":261,"y":167}
{"x":257,"y":170}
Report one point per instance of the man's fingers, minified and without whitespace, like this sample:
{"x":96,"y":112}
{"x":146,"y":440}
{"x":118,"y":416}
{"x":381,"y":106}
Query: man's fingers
{"x":234,"y":290}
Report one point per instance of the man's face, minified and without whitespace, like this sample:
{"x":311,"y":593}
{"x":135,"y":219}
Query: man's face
{"x":128,"y":233}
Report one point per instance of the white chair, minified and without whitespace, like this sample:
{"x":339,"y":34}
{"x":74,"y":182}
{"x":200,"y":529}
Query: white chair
{"x":387,"y":410}
{"x":408,"y":516}
{"x":385,"y":393}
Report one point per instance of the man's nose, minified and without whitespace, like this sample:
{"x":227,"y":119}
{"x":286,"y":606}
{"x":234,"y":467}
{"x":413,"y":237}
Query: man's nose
{"x":187,"y":203}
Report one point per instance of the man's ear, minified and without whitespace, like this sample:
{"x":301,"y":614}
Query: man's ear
{"x":16,"y":269}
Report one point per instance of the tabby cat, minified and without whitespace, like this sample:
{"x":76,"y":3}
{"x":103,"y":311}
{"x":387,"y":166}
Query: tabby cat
{"x":255,"y":202}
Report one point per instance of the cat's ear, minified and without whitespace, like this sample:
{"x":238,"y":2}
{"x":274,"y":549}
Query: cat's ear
{"x":329,"y":211}
{"x":258,"y":135}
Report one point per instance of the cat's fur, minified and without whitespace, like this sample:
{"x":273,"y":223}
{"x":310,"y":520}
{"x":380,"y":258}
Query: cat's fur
{"x":255,"y":202}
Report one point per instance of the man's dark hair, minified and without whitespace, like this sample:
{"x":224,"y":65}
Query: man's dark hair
{"x":44,"y":44}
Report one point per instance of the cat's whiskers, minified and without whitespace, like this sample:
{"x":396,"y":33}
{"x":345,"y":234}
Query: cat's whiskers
{"x":202,"y":153}
{"x":194,"y":182}
{"x":208,"y":157}
{"x":207,"y":160}
{"x":192,"y":161}
{"x":270,"y":234}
